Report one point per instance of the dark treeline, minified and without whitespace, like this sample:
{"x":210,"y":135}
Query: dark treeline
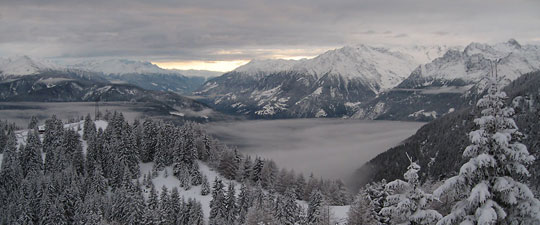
{"x":52,"y":179}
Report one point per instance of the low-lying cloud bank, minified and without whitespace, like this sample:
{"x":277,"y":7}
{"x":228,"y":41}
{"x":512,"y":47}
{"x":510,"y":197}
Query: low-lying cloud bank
{"x":331,"y":148}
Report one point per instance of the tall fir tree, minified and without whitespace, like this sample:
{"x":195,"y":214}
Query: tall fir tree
{"x":10,"y":170}
{"x":315,"y":212}
{"x":287,"y":211}
{"x":409,"y":203}
{"x":218,"y":210}
{"x":31,"y":160}
{"x":491,"y":184}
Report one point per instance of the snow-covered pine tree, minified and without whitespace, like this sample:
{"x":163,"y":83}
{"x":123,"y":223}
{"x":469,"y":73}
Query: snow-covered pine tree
{"x":300,"y":187}
{"x":315,"y":208}
{"x":262,"y":212}
{"x":268,"y":175}
{"x":217,"y":204}
{"x":376,"y":194}
{"x":196,"y":216}
{"x":33,"y":123}
{"x":230,"y":204}
{"x":205,"y":186}
{"x":161,"y":153}
{"x":31,"y":160}
{"x":489,"y":188}
{"x":244,"y":171}
{"x":244,"y":202}
{"x":10,"y":171}
{"x":54,"y":130}
{"x":256,"y":169}
{"x":409,"y":204}
{"x":287,"y":211}
{"x":165,"y":206}
{"x":89,"y":127}
{"x":360,"y":212}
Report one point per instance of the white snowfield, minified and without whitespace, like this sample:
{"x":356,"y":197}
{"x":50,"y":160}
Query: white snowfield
{"x":473,"y":63}
{"x":24,"y":65}
{"x":339,"y":213}
{"x":376,"y":66}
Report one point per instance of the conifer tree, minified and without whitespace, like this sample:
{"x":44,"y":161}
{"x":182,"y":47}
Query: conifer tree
{"x":196,"y":216}
{"x":360,"y":211}
{"x":175,"y":205}
{"x":287,"y":211}
{"x":376,"y":193}
{"x":33,"y":122}
{"x":491,"y":184}
{"x":315,"y":208}
{"x":244,"y":202}
{"x":230,"y":204}
{"x":409,"y":204}
{"x":54,"y":131}
{"x":10,"y":170}
{"x":217,"y":204}
{"x":89,"y":127}
{"x":31,"y":160}
{"x":205,"y":186}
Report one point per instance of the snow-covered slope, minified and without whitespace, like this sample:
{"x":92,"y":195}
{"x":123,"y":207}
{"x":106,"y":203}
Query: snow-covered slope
{"x":378,"y":67}
{"x":332,"y":84}
{"x":470,"y":66}
{"x":451,"y":81}
{"x":24,"y":65}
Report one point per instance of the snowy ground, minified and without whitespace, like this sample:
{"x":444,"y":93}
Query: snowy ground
{"x":339,"y":213}
{"x":331,"y":148}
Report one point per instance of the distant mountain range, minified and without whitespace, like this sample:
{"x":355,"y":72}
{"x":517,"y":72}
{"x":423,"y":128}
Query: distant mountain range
{"x":25,"y":79}
{"x":416,"y":83}
{"x":452,"y":81}
{"x":400,"y":83}
{"x":140,"y":73}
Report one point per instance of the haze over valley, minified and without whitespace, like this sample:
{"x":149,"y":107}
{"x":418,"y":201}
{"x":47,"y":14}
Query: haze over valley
{"x":255,"y":112}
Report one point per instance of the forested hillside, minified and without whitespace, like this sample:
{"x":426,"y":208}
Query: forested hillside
{"x":438,"y":146}
{"x":96,"y":172}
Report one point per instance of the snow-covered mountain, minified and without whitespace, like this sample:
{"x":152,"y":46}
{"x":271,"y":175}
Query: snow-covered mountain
{"x":470,"y":66}
{"x":143,"y":74}
{"x":452,"y":81}
{"x":332,"y":84}
{"x":24,"y":65}
{"x":378,"y":67}
{"x":140,"y":73}
{"x":119,"y":67}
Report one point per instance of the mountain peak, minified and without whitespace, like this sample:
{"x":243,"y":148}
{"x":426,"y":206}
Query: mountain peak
{"x":514,"y":43}
{"x":266,"y":66}
{"x":23,"y":65}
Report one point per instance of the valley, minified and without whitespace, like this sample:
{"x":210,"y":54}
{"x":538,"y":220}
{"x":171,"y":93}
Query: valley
{"x":328,"y":148}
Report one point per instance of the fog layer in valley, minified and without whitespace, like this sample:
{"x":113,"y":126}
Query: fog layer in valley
{"x":331,"y":148}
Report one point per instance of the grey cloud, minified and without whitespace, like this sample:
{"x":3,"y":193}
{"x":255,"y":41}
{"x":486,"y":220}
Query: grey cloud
{"x":197,"y":29}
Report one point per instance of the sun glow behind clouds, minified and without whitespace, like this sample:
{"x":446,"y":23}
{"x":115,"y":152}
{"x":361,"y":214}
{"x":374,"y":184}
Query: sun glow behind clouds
{"x":221,"y":66}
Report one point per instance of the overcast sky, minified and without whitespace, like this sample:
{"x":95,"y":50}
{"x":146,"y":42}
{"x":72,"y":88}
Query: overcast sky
{"x":191,"y":32}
